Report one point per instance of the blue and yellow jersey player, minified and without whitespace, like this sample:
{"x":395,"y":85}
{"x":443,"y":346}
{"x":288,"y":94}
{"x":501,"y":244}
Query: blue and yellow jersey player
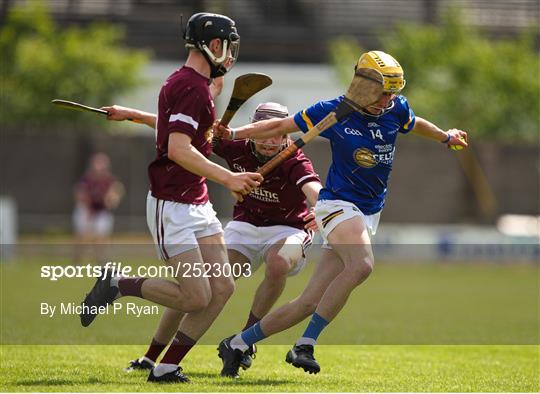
{"x":347,"y":210}
{"x":363,"y":149}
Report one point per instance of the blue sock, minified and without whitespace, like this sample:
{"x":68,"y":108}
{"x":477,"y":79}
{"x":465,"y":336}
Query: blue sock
{"x":314,"y":329}
{"x":253,"y":334}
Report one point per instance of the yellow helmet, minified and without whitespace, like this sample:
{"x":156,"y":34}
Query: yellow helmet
{"x":387,"y":66}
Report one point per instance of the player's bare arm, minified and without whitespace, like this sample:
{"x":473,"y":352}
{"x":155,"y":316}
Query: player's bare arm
{"x":311,"y":191}
{"x":184,"y":154}
{"x":119,"y":113}
{"x":260,"y":130}
{"x":451,"y":137}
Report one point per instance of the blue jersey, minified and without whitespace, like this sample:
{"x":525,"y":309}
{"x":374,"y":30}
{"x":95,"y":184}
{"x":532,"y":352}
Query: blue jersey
{"x":362,"y":151}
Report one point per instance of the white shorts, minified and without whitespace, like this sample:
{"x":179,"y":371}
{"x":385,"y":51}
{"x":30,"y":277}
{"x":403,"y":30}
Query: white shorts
{"x":254,"y":242}
{"x":87,"y":222}
{"x":175,"y":227}
{"x":330,"y":213}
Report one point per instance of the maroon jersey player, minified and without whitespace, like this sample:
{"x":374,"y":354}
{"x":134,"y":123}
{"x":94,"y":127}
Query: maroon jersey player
{"x":268,"y":225}
{"x":97,"y":193}
{"x":181,"y":219}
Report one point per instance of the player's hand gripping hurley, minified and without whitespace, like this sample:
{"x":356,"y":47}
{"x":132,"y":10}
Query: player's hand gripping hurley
{"x":366,"y":89}
{"x":81,"y":107}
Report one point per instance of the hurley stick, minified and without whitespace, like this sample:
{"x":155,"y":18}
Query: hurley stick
{"x":245,"y":86}
{"x":80,"y":107}
{"x":365,"y":89}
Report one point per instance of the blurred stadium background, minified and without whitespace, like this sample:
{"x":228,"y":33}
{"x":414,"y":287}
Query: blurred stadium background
{"x":297,"y":42}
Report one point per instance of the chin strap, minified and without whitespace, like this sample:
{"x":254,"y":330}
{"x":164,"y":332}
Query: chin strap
{"x":216,"y":70}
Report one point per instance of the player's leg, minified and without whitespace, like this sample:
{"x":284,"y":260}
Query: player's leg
{"x":281,"y":258}
{"x":238,"y":259}
{"x":167,"y":328}
{"x":195,"y":324}
{"x":171,"y":225}
{"x":243,"y":249}
{"x":350,"y":241}
{"x":187,"y":294}
{"x":297,"y":310}
{"x":291,"y":313}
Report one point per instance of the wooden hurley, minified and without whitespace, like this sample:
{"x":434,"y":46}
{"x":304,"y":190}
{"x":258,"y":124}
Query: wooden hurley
{"x":245,"y":86}
{"x":365,"y":89}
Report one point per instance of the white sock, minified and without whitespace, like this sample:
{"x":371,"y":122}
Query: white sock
{"x":306,"y":341}
{"x":144,"y":358}
{"x":114,"y":283}
{"x":161,"y":369}
{"x":238,"y":343}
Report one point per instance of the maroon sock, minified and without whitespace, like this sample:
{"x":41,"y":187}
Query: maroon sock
{"x":154,"y":350}
{"x":180,"y":346}
{"x":131,"y":286}
{"x":252,"y":319}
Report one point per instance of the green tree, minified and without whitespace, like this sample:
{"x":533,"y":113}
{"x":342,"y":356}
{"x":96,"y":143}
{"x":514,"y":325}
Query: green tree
{"x":459,"y":78}
{"x":40,"y":62}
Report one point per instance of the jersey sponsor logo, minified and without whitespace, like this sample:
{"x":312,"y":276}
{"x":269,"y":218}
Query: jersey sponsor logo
{"x":351,"y":131}
{"x":384,"y":148}
{"x":372,"y":124}
{"x":364,"y":158}
{"x":262,"y":194}
{"x":238,"y":167}
{"x":385,"y":158}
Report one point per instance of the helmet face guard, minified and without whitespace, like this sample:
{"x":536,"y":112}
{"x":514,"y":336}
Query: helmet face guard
{"x":204,"y":27}
{"x":263,"y":158}
{"x":219,"y":66}
{"x":392,"y":73}
{"x":381,"y":110}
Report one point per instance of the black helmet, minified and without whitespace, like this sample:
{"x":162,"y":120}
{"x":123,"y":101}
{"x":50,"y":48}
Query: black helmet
{"x":203,"y":28}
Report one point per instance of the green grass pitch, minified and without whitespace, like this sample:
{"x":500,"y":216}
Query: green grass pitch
{"x":411,"y":327}
{"x":344,"y":368}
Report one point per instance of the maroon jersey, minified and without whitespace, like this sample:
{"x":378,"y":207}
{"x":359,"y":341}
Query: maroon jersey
{"x":95,"y":188}
{"x":279,"y":200}
{"x":185,"y":106}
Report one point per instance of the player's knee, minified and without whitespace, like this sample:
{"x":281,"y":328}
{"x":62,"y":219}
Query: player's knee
{"x":196,"y":304}
{"x":278,"y":267}
{"x":223,"y":289}
{"x":359,"y":271}
{"x":196,"y":300}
